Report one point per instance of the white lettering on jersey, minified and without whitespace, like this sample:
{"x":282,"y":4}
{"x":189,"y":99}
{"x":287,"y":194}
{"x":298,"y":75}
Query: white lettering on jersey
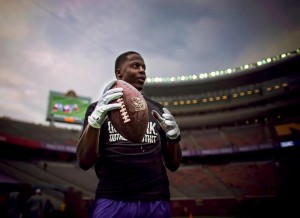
{"x":150,"y":137}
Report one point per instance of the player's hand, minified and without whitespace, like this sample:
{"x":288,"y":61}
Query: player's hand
{"x":99,"y":114}
{"x":167,"y":123}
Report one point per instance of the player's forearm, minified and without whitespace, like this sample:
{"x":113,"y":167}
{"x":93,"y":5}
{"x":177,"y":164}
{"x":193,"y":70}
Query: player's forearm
{"x":87,"y":147}
{"x":173,"y":157}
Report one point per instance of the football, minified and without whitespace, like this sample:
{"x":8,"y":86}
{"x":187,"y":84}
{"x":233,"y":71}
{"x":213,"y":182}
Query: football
{"x":131,"y":120}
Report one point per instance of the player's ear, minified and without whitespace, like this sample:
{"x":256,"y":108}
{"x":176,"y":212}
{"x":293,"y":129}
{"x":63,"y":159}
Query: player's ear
{"x":118,"y":73}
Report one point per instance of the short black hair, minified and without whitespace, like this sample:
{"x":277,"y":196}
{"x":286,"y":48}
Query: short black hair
{"x":123,"y":57}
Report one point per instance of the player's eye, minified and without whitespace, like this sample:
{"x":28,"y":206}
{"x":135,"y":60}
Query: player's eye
{"x":137,"y":65}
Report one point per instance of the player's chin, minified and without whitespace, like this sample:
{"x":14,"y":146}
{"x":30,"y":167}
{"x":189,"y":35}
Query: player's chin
{"x":138,"y":85}
{"x":140,"y":88}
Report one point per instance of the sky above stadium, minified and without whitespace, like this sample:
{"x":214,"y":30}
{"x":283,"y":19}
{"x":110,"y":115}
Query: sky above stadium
{"x":72,"y":44}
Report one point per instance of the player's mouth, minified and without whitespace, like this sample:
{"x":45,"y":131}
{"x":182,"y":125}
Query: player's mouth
{"x":141,"y":80}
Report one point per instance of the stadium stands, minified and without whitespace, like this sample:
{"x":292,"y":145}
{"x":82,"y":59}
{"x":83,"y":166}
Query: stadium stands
{"x":240,"y":142}
{"x":40,"y":133}
{"x":255,"y":134}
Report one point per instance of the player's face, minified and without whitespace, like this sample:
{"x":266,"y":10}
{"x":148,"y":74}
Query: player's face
{"x":133,"y":71}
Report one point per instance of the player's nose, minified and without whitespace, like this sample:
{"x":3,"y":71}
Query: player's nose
{"x":142,"y":69}
{"x":142,"y":72}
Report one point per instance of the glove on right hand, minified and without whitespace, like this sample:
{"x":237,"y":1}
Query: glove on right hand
{"x":99,"y":114}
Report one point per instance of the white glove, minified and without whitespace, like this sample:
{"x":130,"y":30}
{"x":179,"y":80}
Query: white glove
{"x":99,"y":114}
{"x":167,"y":123}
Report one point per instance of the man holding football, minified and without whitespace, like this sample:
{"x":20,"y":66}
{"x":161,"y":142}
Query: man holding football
{"x":133,"y":178}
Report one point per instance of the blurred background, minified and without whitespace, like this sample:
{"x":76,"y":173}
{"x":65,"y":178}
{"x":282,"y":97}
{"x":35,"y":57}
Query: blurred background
{"x":228,"y":71}
{"x":240,"y":142}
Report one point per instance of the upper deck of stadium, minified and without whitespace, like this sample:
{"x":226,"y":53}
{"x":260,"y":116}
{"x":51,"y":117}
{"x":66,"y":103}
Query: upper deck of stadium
{"x":261,"y":71}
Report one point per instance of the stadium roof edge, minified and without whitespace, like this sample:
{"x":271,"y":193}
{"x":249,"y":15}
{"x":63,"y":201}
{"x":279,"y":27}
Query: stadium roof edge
{"x":219,"y":74}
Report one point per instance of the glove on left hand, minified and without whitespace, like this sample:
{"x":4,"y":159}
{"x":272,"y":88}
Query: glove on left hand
{"x":167,"y":123}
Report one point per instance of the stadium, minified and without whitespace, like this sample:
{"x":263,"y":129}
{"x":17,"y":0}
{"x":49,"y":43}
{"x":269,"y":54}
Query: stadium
{"x":240,"y":142}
